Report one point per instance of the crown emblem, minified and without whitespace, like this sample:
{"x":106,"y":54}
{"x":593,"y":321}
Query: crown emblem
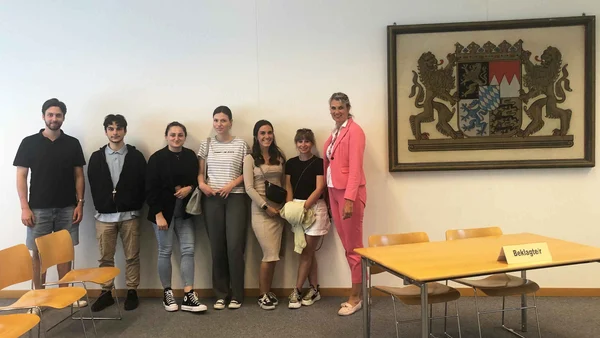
{"x":504,"y":50}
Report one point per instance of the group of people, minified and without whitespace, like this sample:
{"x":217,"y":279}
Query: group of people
{"x":303,"y":191}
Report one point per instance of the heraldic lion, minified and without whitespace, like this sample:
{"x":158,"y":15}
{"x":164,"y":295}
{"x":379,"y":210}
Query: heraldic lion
{"x":438,"y":83}
{"x":542,"y":80}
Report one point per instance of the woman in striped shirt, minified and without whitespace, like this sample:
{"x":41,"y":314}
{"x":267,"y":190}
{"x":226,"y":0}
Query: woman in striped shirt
{"x":225,"y":205}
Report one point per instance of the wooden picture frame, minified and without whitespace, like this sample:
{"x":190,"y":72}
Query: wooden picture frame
{"x":492,"y":95}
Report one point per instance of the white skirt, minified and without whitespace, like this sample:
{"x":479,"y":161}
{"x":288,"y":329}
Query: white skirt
{"x":322,"y":223}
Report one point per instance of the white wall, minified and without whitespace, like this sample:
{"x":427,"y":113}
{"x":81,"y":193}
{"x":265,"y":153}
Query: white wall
{"x":156,"y":62}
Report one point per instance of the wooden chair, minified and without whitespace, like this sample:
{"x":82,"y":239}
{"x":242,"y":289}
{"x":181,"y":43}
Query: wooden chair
{"x":497,"y":285}
{"x":16,"y":267}
{"x":411,"y":295}
{"x":57,"y":248}
{"x":16,"y":325}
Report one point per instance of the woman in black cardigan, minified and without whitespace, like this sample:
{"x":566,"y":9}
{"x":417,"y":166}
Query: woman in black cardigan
{"x":172,"y":176}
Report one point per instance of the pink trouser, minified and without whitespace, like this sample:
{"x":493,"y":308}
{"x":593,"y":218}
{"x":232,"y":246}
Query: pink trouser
{"x":350,"y":230}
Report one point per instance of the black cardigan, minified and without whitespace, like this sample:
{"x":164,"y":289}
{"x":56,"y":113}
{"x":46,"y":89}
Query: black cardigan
{"x":160,"y":188}
{"x":130,"y":190}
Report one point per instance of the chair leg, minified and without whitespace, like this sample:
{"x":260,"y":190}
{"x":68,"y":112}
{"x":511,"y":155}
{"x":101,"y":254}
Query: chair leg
{"x":446,"y":313}
{"x":395,"y":317}
{"x":477,"y":309}
{"x":446,"y":319}
{"x":503,"y":307}
{"x":537,"y":318}
{"x":506,"y":327}
{"x":457,"y":318}
{"x":118,"y":305}
{"x":87,"y":297}
{"x":81,"y":320}
{"x":40,"y":323}
{"x":430,"y":318}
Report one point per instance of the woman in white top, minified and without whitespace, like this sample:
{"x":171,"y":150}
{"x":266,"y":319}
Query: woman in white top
{"x":225,"y":205}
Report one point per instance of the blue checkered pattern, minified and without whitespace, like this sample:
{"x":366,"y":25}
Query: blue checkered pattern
{"x":489,"y":97}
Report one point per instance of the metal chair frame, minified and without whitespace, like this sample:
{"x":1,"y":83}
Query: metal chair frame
{"x":503,"y":310}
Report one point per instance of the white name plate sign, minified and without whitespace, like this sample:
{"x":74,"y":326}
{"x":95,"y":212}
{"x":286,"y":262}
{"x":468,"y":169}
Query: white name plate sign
{"x":525,"y":253}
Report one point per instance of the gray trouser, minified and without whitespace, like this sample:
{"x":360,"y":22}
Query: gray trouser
{"x":227,"y":229}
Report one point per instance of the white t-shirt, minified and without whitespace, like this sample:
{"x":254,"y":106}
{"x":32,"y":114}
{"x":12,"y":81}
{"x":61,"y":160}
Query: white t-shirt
{"x":334,"y":134}
{"x":225,"y":162}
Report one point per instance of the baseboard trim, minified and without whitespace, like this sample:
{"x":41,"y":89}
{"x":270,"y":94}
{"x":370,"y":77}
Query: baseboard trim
{"x":331,"y":292}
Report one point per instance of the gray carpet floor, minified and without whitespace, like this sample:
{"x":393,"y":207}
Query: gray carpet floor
{"x":561,"y":317}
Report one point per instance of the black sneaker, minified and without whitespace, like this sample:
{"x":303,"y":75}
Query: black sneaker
{"x":169,"y":301}
{"x":265,"y":302}
{"x":132,"y":301}
{"x":192,"y":303}
{"x":273,"y":298}
{"x":105,"y":300}
{"x":311,"y":296}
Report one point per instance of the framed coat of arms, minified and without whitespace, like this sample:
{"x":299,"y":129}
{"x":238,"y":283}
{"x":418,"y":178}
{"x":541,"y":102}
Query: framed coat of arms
{"x":492,"y":95}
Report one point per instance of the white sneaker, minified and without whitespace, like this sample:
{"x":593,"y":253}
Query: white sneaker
{"x":294,"y":300}
{"x":312,"y":296}
{"x":80,"y":303}
{"x":219,"y":304}
{"x":234,"y":304}
{"x":169,"y":301}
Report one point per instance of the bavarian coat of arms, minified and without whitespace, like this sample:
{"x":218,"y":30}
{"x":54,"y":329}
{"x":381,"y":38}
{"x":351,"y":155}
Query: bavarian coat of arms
{"x":481,"y":94}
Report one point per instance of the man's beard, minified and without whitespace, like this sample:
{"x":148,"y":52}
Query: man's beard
{"x":54,"y":126}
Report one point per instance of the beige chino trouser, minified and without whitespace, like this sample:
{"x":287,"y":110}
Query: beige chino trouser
{"x":106,"y":234}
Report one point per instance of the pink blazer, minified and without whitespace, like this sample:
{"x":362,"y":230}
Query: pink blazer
{"x":347,"y":160}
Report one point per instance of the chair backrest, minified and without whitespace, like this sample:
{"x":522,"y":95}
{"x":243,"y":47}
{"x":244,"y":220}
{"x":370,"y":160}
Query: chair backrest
{"x":55,"y":248}
{"x":15,"y":265}
{"x":472,"y":233}
{"x":395,"y":239}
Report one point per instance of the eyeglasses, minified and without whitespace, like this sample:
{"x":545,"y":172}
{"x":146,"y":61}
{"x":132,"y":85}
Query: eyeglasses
{"x":304,"y":130}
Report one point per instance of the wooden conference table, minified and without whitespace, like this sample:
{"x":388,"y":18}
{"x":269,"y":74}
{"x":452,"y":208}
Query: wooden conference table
{"x":439,"y":261}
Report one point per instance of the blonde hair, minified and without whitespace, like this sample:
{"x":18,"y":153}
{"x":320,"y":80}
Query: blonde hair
{"x":343,"y":98}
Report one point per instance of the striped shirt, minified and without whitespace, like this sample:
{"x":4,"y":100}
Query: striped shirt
{"x":224,"y":162}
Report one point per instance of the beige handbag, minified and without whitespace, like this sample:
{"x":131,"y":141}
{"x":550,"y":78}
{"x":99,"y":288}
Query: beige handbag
{"x":194,"y":205}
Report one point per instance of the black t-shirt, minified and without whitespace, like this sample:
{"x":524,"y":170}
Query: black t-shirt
{"x":52,"y":164}
{"x":308,"y":182}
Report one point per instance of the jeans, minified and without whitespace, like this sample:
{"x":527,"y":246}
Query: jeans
{"x":184,"y":230}
{"x":49,"y":220}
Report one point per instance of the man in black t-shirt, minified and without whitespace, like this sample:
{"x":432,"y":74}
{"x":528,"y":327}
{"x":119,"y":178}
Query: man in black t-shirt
{"x":56,"y":187}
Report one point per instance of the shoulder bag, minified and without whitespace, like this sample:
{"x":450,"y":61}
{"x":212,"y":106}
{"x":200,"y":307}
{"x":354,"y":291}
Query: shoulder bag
{"x":194,"y":205}
{"x":273,"y":192}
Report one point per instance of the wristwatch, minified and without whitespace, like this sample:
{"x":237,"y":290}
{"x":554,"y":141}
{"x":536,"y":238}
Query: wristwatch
{"x":265,"y":206}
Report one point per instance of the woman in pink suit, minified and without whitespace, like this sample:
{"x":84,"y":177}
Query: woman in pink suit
{"x":345,"y":179}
